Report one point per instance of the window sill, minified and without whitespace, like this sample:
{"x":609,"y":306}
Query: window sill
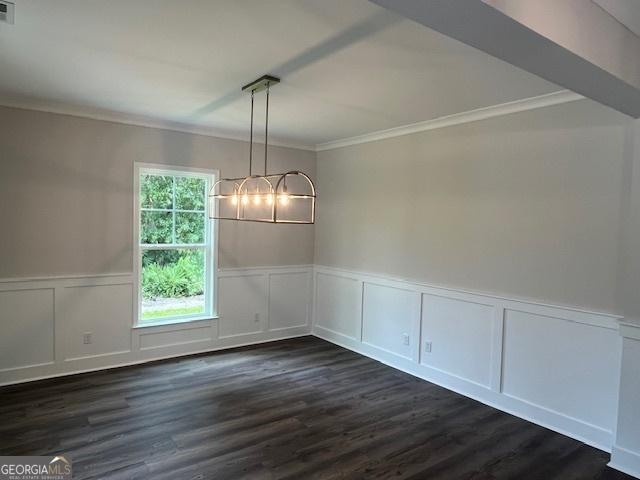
{"x":179,"y":321}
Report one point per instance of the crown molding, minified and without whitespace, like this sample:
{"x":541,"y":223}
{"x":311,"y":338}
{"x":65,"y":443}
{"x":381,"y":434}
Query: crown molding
{"x":555,"y":98}
{"x":137,"y":120}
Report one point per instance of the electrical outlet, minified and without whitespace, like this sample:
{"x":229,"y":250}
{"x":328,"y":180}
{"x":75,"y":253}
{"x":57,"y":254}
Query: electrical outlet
{"x":427,"y":347}
{"x":86,"y":338}
{"x":256,"y":317}
{"x":405,"y":338}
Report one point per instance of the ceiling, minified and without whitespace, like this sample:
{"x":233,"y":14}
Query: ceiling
{"x":626,"y":12}
{"x":348,"y":67}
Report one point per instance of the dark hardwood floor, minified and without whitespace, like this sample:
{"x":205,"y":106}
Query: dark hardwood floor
{"x":301,"y":408}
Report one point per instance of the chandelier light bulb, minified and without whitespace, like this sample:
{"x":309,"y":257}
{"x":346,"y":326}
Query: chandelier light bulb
{"x":270,"y":199}
{"x":245,"y":199}
{"x":284,"y":196}
{"x":234,"y":199}
{"x":256,"y":197}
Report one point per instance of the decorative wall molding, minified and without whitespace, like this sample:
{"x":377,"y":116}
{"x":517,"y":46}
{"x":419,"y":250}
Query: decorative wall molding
{"x":128,"y":276}
{"x":573,"y":313}
{"x":630,"y":330}
{"x":231,"y":271}
{"x":65,"y":280}
{"x":44,"y":319}
{"x":555,"y":98}
{"x":476,"y":347}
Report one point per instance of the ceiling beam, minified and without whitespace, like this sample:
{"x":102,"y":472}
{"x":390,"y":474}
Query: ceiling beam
{"x":572,"y":43}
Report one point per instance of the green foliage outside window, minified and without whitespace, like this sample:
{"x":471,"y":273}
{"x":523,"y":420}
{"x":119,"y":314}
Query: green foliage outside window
{"x":172,"y":211}
{"x":189,"y":227}
{"x":172,"y":273}
{"x":156,"y":191}
{"x":157,"y":227}
{"x":190,"y":193}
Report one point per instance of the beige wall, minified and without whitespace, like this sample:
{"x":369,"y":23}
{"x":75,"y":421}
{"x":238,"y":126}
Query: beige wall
{"x":524,"y":205}
{"x":66,"y":199}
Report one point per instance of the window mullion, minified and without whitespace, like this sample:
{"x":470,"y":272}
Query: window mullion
{"x":145,"y":209}
{"x":173,"y":212}
{"x":170,"y":246}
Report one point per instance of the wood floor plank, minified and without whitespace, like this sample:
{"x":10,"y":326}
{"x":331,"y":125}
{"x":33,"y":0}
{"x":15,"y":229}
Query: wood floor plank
{"x":298,"y":408}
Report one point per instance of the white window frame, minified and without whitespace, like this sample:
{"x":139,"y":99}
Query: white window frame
{"x":210,"y":245}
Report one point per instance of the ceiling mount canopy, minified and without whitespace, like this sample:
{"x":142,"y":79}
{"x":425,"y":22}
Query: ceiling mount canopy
{"x":288,"y":197}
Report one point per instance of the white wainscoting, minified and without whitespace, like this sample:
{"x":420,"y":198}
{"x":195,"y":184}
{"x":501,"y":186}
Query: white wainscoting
{"x":102,"y":310}
{"x":555,"y":366}
{"x":461,"y":333}
{"x":391,"y":320}
{"x":43,"y":321}
{"x":28,"y":320}
{"x":626,"y":450}
{"x":251,"y":303}
{"x":338,"y":305}
{"x":289,"y":300}
{"x":242,"y":304}
{"x":563,"y":366}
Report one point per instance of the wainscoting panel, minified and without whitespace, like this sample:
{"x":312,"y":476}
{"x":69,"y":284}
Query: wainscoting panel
{"x":289,"y":300}
{"x":27,"y":320}
{"x":102,"y":311}
{"x":562,"y":365}
{"x":197,"y":332}
{"x":391,"y":320}
{"x":555,"y":366}
{"x":459,"y":333}
{"x":242,"y":304}
{"x":339,"y":305}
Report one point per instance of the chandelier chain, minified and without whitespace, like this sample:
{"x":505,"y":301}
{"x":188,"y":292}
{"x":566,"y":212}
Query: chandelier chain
{"x":266,"y":132}
{"x":251,"y":138}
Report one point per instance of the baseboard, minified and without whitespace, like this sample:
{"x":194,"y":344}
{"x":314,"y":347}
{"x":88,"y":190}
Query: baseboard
{"x":239,"y":342}
{"x":625,"y":460}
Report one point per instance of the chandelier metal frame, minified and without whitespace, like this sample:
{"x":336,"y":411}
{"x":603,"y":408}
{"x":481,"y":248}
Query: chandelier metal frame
{"x":270,"y":190}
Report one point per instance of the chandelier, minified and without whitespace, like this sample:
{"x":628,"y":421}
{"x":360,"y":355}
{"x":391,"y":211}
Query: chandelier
{"x":288,"y":197}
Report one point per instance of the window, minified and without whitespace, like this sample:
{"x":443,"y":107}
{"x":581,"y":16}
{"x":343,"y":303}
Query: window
{"x":174,"y":240}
